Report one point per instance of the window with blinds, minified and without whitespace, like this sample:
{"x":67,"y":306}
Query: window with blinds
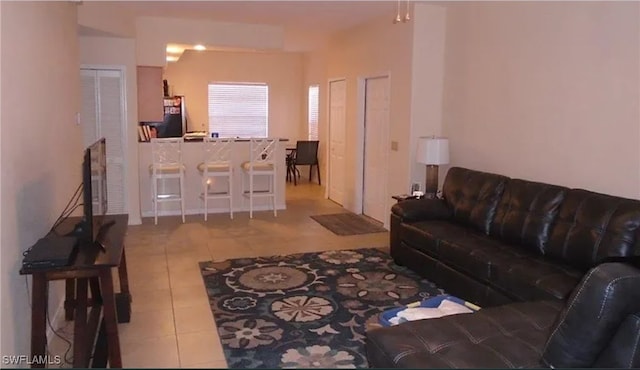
{"x":313,"y":111}
{"x":239,"y":109}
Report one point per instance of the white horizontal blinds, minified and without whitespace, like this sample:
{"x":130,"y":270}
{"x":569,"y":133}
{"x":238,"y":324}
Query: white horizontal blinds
{"x":111,"y":128}
{"x":103,"y":116}
{"x":239,"y":109}
{"x":88,"y":115}
{"x":313,"y":111}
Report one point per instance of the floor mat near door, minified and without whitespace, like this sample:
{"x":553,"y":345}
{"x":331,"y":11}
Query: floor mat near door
{"x":348,"y":224}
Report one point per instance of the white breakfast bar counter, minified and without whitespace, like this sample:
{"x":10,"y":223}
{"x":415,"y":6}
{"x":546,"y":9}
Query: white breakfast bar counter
{"x":192,"y":155}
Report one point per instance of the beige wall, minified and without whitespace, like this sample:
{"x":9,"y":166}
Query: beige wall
{"x":154,"y":33}
{"x":315,"y":73}
{"x":103,"y":18}
{"x":429,"y":27}
{"x":374,"y":49}
{"x":546,"y":91}
{"x":121,"y":52}
{"x":41,"y":145}
{"x":283,"y":72}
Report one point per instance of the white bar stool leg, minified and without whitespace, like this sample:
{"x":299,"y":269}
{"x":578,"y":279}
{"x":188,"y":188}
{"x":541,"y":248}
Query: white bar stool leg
{"x":273,"y":196}
{"x":230,"y":194}
{"x":250,"y":194}
{"x":155,"y":197}
{"x":182,"y":193}
{"x":205,"y":191}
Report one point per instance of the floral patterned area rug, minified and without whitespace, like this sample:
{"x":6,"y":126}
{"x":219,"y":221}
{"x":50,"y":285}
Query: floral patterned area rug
{"x":306,"y":310}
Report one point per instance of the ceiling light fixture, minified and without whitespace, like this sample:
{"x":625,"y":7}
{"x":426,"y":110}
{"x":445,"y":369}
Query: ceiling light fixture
{"x":407,"y":18}
{"x":398,"y":19}
{"x":200,"y":47}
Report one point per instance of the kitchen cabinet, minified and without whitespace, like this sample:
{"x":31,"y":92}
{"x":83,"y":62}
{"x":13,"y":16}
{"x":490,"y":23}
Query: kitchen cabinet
{"x":150,"y":94}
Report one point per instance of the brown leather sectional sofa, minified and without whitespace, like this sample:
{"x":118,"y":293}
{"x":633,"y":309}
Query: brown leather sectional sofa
{"x":519,"y":249}
{"x":494,"y":240}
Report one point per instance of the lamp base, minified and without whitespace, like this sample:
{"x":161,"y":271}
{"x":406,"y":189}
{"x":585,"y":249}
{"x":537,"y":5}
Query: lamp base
{"x":431,"y":183}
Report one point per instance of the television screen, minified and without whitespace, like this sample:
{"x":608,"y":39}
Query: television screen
{"x":94,"y":186}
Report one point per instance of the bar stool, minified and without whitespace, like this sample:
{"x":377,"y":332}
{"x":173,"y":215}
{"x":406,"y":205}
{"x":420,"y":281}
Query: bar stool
{"x":216,"y":164}
{"x":166,"y":156}
{"x":262,"y":162}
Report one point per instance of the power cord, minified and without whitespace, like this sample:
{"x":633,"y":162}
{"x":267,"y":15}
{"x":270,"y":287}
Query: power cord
{"x":75,"y":198}
{"x":67,"y":341}
{"x":26,"y":282}
{"x":66,"y":212}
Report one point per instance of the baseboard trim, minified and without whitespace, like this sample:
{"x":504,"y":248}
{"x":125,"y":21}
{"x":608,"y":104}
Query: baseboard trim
{"x":200,"y":211}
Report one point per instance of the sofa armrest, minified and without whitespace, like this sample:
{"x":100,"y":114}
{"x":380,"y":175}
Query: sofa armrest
{"x":421,"y":209}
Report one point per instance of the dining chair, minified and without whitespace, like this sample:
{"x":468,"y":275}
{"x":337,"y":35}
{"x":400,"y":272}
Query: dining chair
{"x":306,"y":154}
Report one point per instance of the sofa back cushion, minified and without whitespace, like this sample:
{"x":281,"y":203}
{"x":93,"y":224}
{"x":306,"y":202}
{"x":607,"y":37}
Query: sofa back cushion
{"x":592,"y":316}
{"x":592,"y":228}
{"x":473,"y":196}
{"x":526,"y":212}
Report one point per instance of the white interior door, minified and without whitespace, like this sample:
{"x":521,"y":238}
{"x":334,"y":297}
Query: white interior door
{"x":337,"y":134}
{"x":376,"y":132}
{"x":103,"y":116}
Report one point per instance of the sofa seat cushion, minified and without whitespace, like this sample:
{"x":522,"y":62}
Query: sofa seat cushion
{"x":518,"y":272}
{"x":535,"y":278}
{"x":425,"y":236}
{"x":507,"y":336}
{"x":461,"y":247}
{"x":476,"y":255}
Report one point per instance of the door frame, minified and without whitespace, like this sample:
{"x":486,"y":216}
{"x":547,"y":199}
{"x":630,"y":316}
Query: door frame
{"x":123,"y":106}
{"x":360,"y":135}
{"x":328,"y":115}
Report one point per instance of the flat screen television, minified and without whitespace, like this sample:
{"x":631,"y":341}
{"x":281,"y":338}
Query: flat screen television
{"x":94,"y":190}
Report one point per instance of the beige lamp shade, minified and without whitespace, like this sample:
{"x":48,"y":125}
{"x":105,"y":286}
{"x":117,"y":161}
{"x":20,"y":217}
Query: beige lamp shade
{"x":433,"y":150}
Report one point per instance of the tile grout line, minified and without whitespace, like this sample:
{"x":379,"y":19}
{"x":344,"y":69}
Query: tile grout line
{"x":173,"y":308}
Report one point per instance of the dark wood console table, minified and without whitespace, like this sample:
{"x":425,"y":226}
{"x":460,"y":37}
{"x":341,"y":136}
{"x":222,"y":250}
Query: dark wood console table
{"x":91,"y":270}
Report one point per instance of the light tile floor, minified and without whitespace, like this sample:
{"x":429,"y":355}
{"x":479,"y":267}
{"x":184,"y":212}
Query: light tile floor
{"x":171,"y":323}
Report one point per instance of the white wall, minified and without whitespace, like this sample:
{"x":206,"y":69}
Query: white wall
{"x":283,"y":72}
{"x":546,"y":91}
{"x":373,"y":49}
{"x":41,"y":145}
{"x":121,"y":52}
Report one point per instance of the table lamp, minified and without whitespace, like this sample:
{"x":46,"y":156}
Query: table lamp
{"x":432,"y":151}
